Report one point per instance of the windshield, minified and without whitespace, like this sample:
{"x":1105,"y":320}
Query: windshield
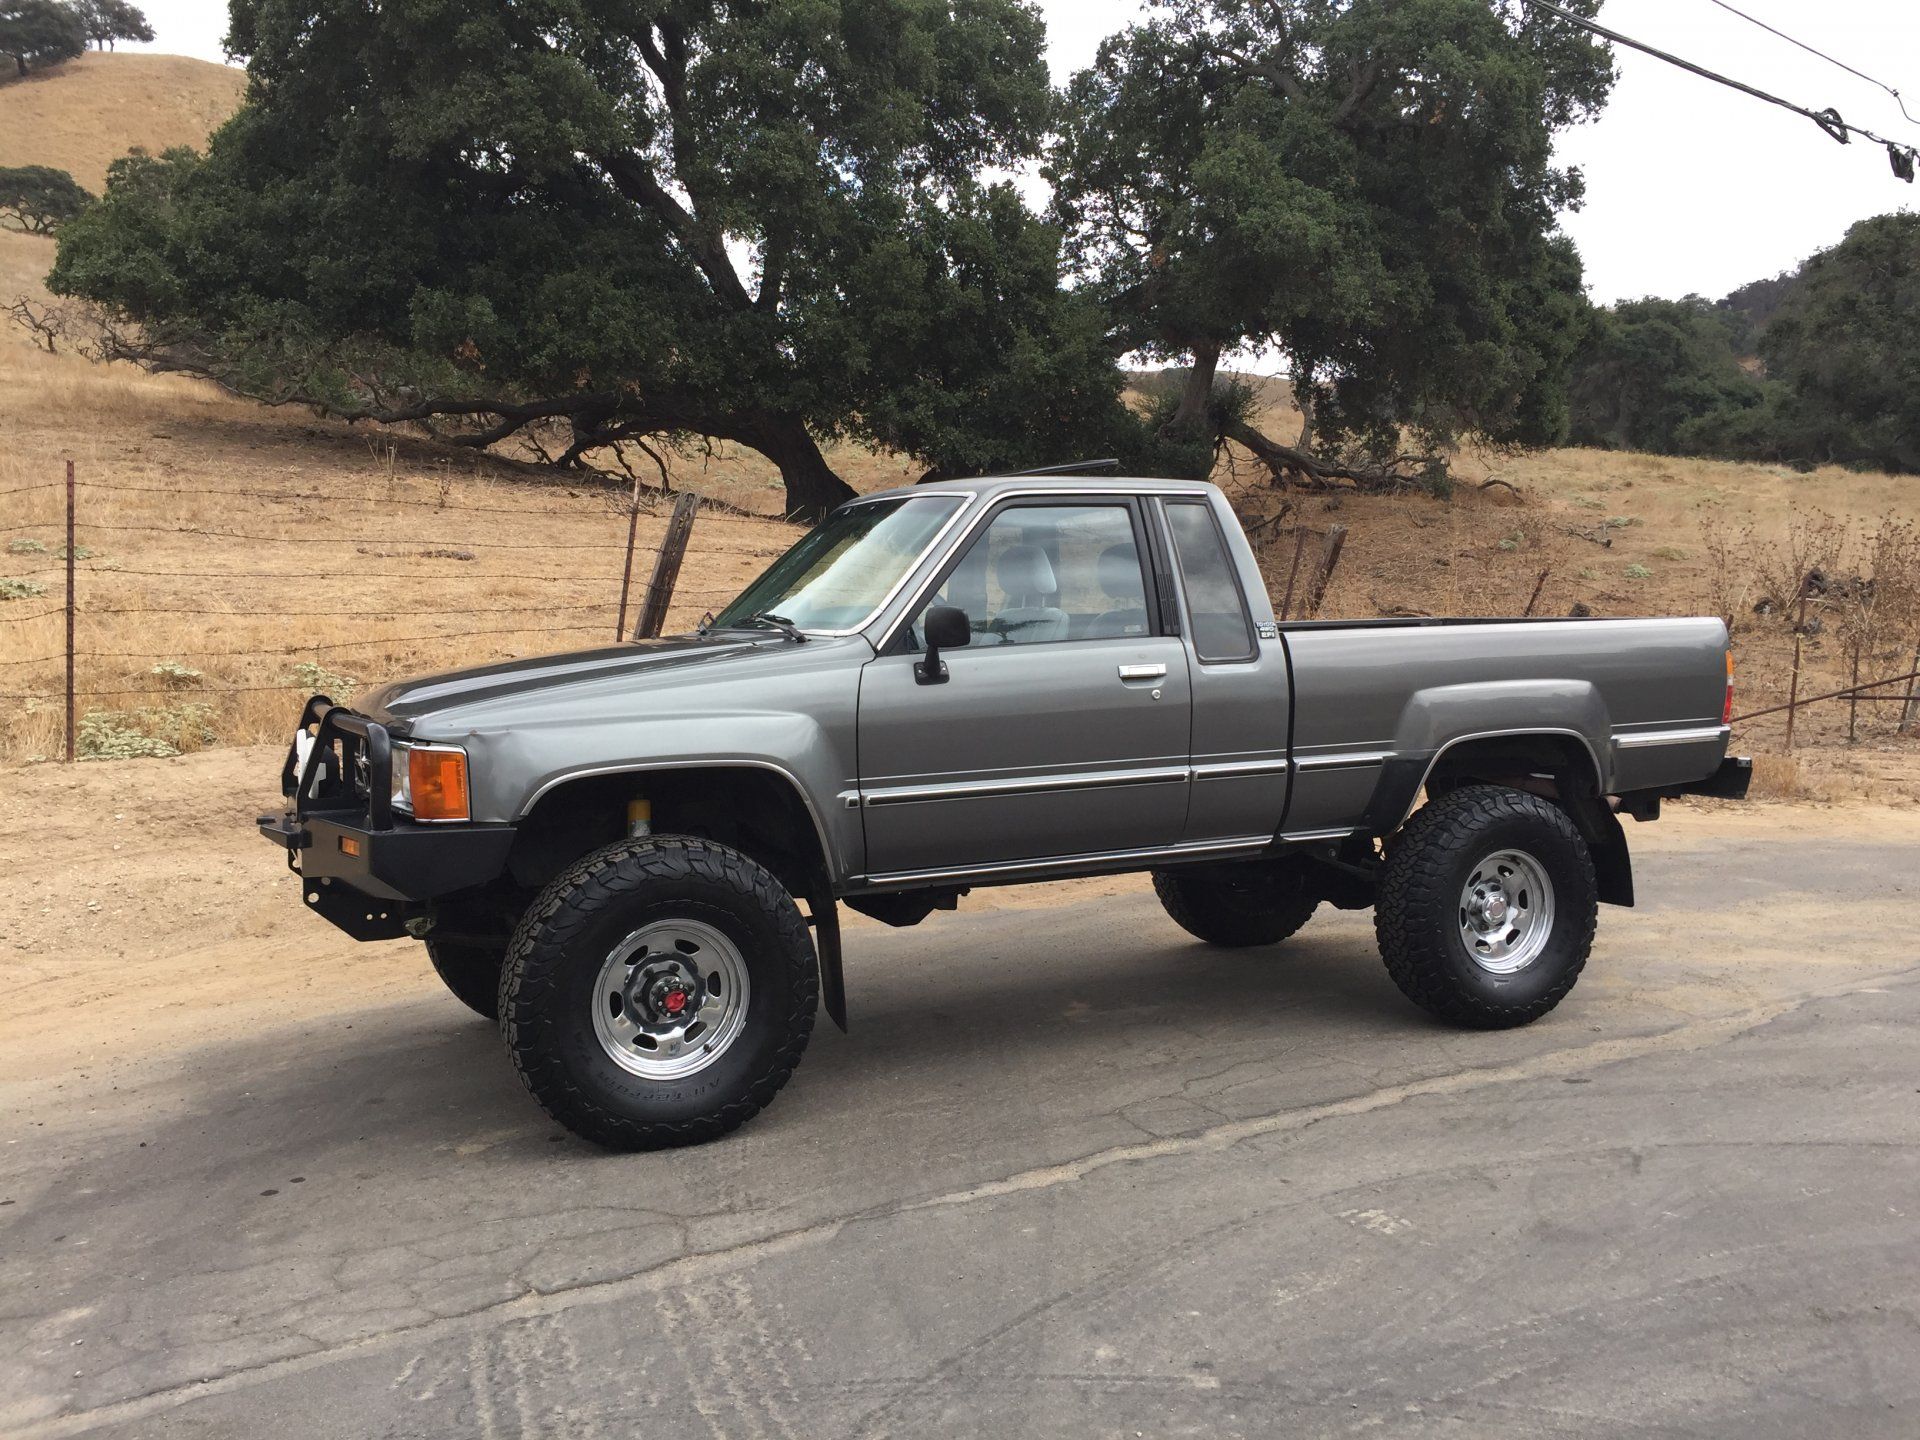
{"x":840,"y":571}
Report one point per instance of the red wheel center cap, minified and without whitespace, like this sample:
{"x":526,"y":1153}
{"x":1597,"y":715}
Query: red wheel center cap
{"x":674,"y":1001}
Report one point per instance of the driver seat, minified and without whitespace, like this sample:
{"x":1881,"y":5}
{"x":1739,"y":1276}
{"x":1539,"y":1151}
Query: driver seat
{"x":1025,"y":576}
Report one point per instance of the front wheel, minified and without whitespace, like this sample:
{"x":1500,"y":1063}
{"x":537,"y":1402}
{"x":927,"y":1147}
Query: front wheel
{"x":658,"y":993}
{"x":1487,"y":907}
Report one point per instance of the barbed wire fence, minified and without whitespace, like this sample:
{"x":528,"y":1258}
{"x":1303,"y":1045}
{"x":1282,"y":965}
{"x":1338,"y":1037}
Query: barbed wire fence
{"x":80,"y":630}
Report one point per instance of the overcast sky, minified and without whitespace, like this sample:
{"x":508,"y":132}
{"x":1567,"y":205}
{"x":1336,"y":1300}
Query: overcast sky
{"x":1690,"y":187}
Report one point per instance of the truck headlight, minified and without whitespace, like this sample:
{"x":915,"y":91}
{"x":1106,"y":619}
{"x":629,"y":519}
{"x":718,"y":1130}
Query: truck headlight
{"x":430,"y":782}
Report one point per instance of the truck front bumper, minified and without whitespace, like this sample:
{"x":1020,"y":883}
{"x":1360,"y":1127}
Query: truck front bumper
{"x":363,"y":868}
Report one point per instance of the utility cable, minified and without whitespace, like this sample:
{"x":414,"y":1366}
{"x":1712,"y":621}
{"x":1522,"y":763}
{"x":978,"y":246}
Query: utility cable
{"x":1901,"y":157}
{"x":1831,"y":60}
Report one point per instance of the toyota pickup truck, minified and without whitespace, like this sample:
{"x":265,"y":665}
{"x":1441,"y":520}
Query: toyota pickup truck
{"x":632,"y":857}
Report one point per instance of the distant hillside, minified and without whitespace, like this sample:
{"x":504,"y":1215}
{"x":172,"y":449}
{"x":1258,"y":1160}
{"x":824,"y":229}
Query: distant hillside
{"x":91,"y":111}
{"x":1753,"y":305}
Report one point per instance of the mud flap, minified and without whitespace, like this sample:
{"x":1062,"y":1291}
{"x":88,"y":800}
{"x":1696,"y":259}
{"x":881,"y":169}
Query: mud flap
{"x":826,"y":938}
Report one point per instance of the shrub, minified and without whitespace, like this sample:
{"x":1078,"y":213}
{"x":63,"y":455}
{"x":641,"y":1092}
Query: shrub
{"x":148,"y":733}
{"x":311,"y":675}
{"x":172,"y":672}
{"x":21,"y":589}
{"x":26,"y":547}
{"x":1637,"y":572}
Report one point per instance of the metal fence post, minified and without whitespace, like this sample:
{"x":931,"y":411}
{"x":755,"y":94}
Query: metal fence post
{"x":70,"y":561}
{"x":626,"y":575}
{"x":666,"y":568}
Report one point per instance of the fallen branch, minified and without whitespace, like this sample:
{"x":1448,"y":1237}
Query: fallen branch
{"x":1287,"y":464}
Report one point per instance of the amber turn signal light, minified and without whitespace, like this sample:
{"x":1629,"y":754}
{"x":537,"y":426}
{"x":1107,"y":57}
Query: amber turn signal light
{"x":438,"y":780}
{"x":1726,"y":711}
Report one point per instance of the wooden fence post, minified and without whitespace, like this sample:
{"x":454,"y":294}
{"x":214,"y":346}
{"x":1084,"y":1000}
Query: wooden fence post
{"x":71,"y":547}
{"x":666,"y":568}
{"x":1793,"y":687}
{"x":1329,"y":557}
{"x":1286,"y":601}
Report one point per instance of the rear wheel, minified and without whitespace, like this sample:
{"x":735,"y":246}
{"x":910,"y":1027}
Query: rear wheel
{"x":1260,"y":902}
{"x":471,"y":972}
{"x":1487,"y":907}
{"x":659,"y":992}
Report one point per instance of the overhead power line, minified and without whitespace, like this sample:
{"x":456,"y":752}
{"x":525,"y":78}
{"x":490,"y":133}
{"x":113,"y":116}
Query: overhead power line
{"x":1901,"y":157}
{"x":1831,"y":60}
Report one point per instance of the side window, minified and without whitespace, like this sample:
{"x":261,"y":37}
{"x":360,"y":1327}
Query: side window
{"x":1044,"y":573}
{"x":1216,"y":609}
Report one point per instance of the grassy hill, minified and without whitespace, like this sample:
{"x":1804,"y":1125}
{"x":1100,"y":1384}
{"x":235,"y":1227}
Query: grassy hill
{"x":89,"y":112}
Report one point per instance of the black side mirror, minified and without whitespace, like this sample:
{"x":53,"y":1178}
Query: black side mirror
{"x":946,"y":629}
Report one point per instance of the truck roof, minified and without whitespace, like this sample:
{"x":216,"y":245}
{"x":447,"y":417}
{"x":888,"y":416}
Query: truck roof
{"x":993,"y":485}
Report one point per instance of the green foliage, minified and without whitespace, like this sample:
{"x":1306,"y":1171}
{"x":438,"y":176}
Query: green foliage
{"x":146,"y":733}
{"x":172,"y":672}
{"x":109,"y":21}
{"x":25,"y":545}
{"x":1368,"y":187}
{"x":39,"y":33}
{"x":21,"y":589}
{"x":315,"y":678}
{"x":756,"y":222}
{"x":1845,"y":345}
{"x":38,"y":198}
{"x":1637,"y":572}
{"x":1660,"y":376}
{"x":1840,"y":341}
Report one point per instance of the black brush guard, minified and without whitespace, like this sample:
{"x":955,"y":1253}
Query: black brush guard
{"x":362,"y":868}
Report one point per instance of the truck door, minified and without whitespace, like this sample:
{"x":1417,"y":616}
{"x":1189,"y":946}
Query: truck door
{"x":1240,"y":684}
{"x":1062,"y":727}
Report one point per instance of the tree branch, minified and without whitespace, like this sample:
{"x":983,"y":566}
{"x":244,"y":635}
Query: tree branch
{"x":633,"y":177}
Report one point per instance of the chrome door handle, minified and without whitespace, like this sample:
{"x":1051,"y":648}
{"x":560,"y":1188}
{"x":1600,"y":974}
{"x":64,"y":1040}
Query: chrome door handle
{"x":1143,"y":672}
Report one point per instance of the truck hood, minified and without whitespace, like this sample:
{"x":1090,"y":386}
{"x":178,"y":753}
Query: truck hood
{"x":405,"y":701}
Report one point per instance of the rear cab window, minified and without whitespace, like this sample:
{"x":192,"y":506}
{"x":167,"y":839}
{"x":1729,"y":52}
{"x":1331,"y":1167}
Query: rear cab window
{"x":1217,"y":616}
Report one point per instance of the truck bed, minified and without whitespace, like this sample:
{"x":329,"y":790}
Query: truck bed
{"x":1645,"y":697}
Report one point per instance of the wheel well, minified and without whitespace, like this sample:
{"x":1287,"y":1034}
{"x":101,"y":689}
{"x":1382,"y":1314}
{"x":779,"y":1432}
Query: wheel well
{"x":755,"y":811}
{"x":1551,"y":765}
{"x":1560,"y":768}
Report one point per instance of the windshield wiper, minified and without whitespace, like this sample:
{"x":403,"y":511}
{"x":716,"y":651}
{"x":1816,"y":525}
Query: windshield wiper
{"x":778,"y":622}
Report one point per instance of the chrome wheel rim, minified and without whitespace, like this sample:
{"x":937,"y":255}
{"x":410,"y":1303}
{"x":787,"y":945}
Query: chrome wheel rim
{"x":1506,"y":912}
{"x":670,"y":999}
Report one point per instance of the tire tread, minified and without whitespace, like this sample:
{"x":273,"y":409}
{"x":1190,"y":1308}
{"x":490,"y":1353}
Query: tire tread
{"x":567,"y":905}
{"x":1416,"y":894}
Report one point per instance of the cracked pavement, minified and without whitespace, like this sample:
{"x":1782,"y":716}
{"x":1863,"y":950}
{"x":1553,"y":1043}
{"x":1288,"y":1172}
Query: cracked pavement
{"x":1071,"y":1174}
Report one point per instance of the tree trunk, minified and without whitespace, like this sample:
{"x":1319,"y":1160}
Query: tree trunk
{"x":812,"y":487}
{"x":1193,"y":417}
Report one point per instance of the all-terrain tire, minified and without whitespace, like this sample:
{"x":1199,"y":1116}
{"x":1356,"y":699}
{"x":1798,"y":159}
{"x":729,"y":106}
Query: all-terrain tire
{"x":1421,"y":916}
{"x":548,"y":991}
{"x":1258,"y":903}
{"x":471,"y":972}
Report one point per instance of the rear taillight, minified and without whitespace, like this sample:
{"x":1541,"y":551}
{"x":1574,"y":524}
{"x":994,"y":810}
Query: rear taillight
{"x":1726,"y":711}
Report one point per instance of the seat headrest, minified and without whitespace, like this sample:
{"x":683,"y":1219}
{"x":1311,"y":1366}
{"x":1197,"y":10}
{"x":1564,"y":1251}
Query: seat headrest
{"x":1119,"y":570}
{"x":1024,"y":570}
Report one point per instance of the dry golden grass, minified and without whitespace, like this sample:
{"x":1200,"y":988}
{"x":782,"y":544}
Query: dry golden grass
{"x":81,"y":116}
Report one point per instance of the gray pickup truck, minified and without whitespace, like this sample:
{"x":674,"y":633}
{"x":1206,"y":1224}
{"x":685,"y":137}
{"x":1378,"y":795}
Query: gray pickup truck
{"x":987,"y":682}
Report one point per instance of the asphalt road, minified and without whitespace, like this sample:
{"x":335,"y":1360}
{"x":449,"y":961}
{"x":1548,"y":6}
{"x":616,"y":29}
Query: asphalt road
{"x":1071,"y":1174}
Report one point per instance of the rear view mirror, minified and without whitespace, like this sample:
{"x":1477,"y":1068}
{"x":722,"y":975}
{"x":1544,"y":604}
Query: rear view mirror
{"x":946,"y":629}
